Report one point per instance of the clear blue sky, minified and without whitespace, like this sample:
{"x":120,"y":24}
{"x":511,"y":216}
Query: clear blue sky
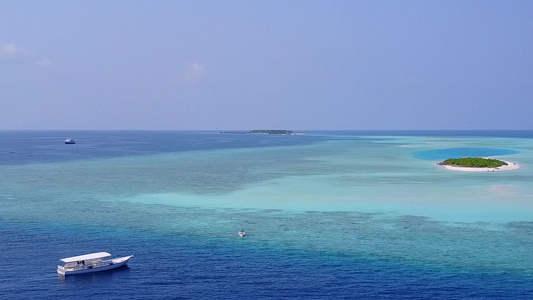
{"x":266,"y":64}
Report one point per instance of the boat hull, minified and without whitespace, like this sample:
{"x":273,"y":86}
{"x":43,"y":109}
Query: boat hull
{"x":115,"y":263}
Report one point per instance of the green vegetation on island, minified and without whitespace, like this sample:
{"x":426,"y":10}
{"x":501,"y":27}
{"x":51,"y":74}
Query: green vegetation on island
{"x":270,"y":131}
{"x":473,"y":162}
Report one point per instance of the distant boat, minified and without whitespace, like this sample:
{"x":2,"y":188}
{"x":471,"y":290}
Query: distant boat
{"x":88,"y":263}
{"x":70,"y":141}
{"x":241,"y":233}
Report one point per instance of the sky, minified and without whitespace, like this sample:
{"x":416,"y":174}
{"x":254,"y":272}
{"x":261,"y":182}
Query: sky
{"x":240,"y":65}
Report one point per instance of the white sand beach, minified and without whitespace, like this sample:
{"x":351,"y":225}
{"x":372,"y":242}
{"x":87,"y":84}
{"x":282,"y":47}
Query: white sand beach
{"x":509,"y":167}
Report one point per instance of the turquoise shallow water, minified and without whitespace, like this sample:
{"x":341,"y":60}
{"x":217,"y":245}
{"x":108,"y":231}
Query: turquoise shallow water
{"x":334,"y":205}
{"x":442,"y":154}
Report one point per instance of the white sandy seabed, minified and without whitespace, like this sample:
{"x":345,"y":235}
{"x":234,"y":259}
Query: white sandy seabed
{"x":509,"y":167}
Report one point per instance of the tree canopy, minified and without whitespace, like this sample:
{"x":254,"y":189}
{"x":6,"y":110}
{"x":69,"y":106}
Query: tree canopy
{"x":270,"y":131}
{"x":475,"y":162}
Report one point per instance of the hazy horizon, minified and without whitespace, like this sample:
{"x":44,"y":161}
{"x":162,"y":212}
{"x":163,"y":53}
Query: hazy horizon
{"x":238,"y":65}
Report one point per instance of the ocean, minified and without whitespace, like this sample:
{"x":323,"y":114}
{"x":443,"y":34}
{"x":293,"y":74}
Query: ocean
{"x":327,"y":215}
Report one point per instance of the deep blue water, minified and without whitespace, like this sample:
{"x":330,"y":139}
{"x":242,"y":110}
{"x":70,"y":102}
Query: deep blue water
{"x":170,"y":267}
{"x":188,"y":266}
{"x":26,"y":147}
{"x":22,"y":147}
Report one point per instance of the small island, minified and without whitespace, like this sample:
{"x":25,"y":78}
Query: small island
{"x":473,"y":162}
{"x":265,"y":131}
{"x":271,"y":131}
{"x":477,"y":164}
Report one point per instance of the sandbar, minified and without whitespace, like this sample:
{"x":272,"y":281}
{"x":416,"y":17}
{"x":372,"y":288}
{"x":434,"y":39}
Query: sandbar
{"x":509,"y":167}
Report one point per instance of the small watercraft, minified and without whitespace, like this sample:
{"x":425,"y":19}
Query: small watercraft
{"x":88,"y":263}
{"x":70,"y":141}
{"x":241,"y":233}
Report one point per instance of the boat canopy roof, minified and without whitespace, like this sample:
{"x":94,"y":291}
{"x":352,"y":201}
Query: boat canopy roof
{"x":86,"y":257}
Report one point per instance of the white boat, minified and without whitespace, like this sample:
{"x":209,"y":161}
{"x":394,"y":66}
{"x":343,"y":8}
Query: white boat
{"x":241,"y":233}
{"x":88,"y":263}
{"x":70,"y":141}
